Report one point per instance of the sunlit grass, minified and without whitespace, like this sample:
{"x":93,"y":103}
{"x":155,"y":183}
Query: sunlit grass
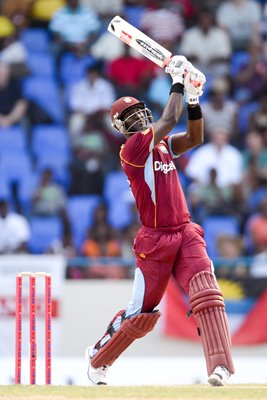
{"x":201,"y":392}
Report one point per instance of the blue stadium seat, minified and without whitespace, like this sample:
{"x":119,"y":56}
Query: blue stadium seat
{"x":245,"y":112}
{"x":73,"y":68}
{"x":80,"y":209}
{"x":4,"y":188}
{"x":35,"y":39}
{"x":50,"y":139}
{"x":238,"y":59}
{"x":215,"y":226}
{"x":119,"y":199}
{"x":45,"y":92}
{"x":133,"y":14}
{"x":44,"y":231}
{"x":12,"y":140}
{"x":57,"y":163}
{"x":41,"y":64}
{"x":26,"y":190}
{"x":15,"y":168}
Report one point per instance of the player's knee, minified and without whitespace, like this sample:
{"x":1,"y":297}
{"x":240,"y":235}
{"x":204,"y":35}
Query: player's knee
{"x":204,"y":292}
{"x":131,"y":329}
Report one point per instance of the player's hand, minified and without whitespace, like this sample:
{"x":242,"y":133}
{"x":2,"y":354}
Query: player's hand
{"x":176,"y":68}
{"x":194,"y":83}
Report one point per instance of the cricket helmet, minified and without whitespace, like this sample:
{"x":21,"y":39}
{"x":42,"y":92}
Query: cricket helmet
{"x":120,"y":107}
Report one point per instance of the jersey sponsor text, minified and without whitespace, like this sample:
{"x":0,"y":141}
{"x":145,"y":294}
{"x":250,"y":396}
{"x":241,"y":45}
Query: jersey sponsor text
{"x":164,"y":167}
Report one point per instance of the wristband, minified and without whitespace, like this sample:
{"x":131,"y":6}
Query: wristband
{"x":177,"y":88}
{"x":194,"y":113}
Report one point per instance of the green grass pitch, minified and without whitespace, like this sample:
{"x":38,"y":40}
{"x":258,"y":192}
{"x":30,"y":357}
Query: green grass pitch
{"x":196,"y":392}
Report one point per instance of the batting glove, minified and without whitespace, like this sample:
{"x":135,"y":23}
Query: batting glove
{"x":194,"y":83}
{"x":176,"y":68}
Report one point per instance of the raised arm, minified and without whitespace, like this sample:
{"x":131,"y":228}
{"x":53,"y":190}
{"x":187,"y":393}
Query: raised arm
{"x":194,"y":135}
{"x":193,"y":84}
{"x":170,"y":116}
{"x":174,"y":105}
{"x":184,"y":76}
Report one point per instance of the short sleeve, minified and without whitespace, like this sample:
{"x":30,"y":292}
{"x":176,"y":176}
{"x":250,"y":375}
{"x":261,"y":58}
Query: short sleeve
{"x":168,"y":141}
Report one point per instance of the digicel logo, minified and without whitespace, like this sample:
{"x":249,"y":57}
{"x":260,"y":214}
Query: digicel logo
{"x":125,"y":37}
{"x":165,"y":168}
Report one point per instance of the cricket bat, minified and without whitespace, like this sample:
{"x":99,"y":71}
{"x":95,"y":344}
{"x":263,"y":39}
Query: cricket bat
{"x":139,"y":41}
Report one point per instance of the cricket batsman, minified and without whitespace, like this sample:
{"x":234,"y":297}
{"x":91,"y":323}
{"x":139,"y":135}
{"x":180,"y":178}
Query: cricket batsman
{"x":168,"y":244}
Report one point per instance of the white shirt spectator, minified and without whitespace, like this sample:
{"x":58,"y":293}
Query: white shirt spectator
{"x":162,"y":25}
{"x":105,"y":7}
{"x":241,"y":18}
{"x":14,"y":231}
{"x":223,"y":157}
{"x":89,"y":98}
{"x":74,"y":26}
{"x":224,"y":117}
{"x":14,"y":53}
{"x":108,"y":48}
{"x":206,"y":47}
{"x":258,"y":268}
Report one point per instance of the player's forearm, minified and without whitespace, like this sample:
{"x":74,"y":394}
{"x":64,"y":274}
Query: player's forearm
{"x":170,"y":116}
{"x":195,"y":131}
{"x":173,"y":108}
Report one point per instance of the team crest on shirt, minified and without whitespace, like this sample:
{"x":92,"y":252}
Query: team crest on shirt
{"x":163,"y":149}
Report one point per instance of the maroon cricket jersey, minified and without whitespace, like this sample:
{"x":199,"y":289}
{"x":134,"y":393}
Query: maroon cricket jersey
{"x":154,"y":180}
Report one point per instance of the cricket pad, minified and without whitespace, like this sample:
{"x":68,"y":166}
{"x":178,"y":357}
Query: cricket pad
{"x":131,"y":329}
{"x":208,"y":307}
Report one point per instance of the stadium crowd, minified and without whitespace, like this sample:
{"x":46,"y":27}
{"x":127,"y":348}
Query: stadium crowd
{"x":62,"y":189}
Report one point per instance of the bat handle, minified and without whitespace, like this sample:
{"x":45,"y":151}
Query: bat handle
{"x":166,"y":61}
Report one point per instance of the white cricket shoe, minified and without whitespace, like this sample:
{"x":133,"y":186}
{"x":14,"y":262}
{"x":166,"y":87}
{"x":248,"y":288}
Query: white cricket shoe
{"x":97,"y":376}
{"x":219,"y":377}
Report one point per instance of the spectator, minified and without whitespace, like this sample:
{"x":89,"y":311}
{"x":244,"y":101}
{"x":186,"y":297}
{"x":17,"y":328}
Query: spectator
{"x":7,"y":28}
{"x":241,"y":19}
{"x":49,"y":198}
{"x":42,"y":12}
{"x":209,"y":199}
{"x":18,"y":11}
{"x":67,"y":249}
{"x":255,"y":152}
{"x":251,"y":81}
{"x":14,"y":53}
{"x":164,"y":23}
{"x":217,"y":154}
{"x":220,"y":110}
{"x":105,"y":9}
{"x":108,"y":48}
{"x":258,"y":119}
{"x":231,"y":251}
{"x":88,"y":99}
{"x":254,"y":188}
{"x":257,"y":228}
{"x":14,"y":231}
{"x":102,"y":242}
{"x":13,"y":106}
{"x":127,"y":239}
{"x":131,"y":74}
{"x":74,"y":28}
{"x":210,"y":4}
{"x":207,"y":45}
{"x":88,"y":164}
